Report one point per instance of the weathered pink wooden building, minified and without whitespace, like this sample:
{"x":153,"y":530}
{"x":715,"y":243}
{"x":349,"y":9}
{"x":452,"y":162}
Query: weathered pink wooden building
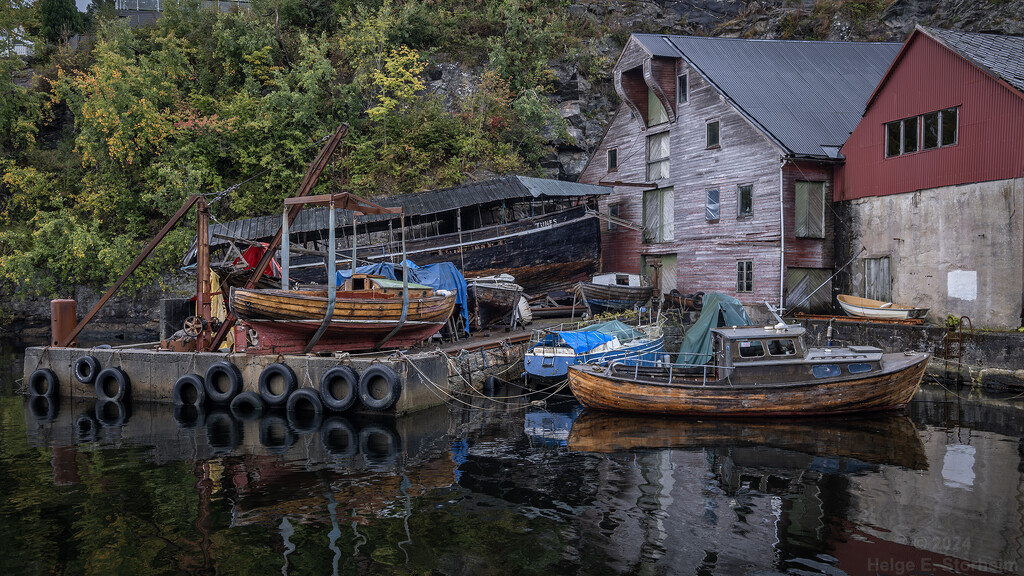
{"x":933,"y":182}
{"x":722,"y":154}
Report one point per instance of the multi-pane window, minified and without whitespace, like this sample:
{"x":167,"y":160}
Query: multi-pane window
{"x":658,"y":218}
{"x":745,"y":276}
{"x":713,"y":140}
{"x":925,"y":132}
{"x":655,"y":110}
{"x":657,"y":156}
{"x":682,"y":87}
{"x":613,"y":159}
{"x":745,"y":201}
{"x":712,"y":206}
{"x":810,"y":209}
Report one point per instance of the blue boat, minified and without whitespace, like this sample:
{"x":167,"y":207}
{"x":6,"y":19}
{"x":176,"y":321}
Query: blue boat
{"x":551,"y":355}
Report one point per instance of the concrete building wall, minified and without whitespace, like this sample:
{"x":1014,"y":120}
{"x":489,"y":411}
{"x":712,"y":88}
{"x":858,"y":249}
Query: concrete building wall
{"x":957,"y":250}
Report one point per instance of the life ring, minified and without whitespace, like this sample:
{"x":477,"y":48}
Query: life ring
{"x":111,"y":413}
{"x":189,"y":389}
{"x":43,"y":382}
{"x":277,"y":382}
{"x":247,"y":406}
{"x":305,"y":411}
{"x":223,"y":432}
{"x":189,"y":416}
{"x":86,"y":427}
{"x":86,"y":369}
{"x":339,"y":388}
{"x":379,"y":445}
{"x":43,"y":408}
{"x":339,"y":437}
{"x":223,"y":382}
{"x":113,"y":384}
{"x":275,"y":434}
{"x":379,"y":387}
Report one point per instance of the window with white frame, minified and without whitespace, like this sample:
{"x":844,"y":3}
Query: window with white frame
{"x":656,"y":113}
{"x":925,"y":132}
{"x":745,"y":201}
{"x":682,"y":89}
{"x":810,"y":209}
{"x":658,"y":220}
{"x":657,"y":156}
{"x":712,"y":206}
{"x":745,"y":276}
{"x":939,"y":129}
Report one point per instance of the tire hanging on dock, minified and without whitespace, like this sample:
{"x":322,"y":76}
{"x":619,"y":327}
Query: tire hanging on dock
{"x":271,"y":378}
{"x":247,"y":406}
{"x":223,"y":382}
{"x":339,"y":388}
{"x":379,"y":387}
{"x":189,"y":389}
{"x":43,"y":382}
{"x":86,"y":369}
{"x":113,"y":384}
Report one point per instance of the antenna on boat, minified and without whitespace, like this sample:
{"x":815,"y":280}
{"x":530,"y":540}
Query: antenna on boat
{"x":782,"y":323}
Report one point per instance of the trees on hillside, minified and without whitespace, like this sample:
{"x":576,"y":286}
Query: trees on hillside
{"x":59,"y":19}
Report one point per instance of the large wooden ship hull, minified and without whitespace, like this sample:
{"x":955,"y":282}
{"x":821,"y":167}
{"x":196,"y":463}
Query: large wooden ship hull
{"x":647,"y":390}
{"x":285,"y":320}
{"x":491,"y":302}
{"x":604,"y":298}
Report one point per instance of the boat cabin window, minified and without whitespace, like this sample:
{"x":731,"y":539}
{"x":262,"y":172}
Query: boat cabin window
{"x":751,"y":348}
{"x":826,"y":370}
{"x":622,"y":280}
{"x":781,"y":347}
{"x":859,"y":368}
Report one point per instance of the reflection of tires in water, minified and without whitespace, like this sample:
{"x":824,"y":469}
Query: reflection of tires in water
{"x":305,"y":412}
{"x":189,"y":415}
{"x":87,"y":429}
{"x":223,"y":432}
{"x":43,"y":408}
{"x":111,"y":413}
{"x":247,"y":406}
{"x":379,"y":444}
{"x":275,"y":434}
{"x":339,"y":437}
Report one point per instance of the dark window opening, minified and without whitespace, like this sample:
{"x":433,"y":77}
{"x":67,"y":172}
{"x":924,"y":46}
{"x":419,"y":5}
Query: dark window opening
{"x":746,"y":201}
{"x":613,"y":159}
{"x":713,"y":140}
{"x":751,"y":349}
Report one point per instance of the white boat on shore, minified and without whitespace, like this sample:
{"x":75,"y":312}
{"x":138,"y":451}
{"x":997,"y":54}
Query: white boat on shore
{"x":868,"y":308}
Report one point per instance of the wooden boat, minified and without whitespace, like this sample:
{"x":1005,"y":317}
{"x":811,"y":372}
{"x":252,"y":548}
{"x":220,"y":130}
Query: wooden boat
{"x":877,"y":439}
{"x":756,"y":371}
{"x":675,"y":300}
{"x":614,"y":291}
{"x":868,"y":308}
{"x":366,"y":310}
{"x":492,"y":299}
{"x":552,"y":352}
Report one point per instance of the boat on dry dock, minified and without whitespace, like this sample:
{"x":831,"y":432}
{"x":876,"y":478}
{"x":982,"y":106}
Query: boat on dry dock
{"x":492,"y":299}
{"x":756,"y":371}
{"x":868,"y":308}
{"x":614,"y":292}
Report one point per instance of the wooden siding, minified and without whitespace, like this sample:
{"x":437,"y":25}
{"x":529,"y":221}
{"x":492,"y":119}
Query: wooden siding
{"x":930,"y":77}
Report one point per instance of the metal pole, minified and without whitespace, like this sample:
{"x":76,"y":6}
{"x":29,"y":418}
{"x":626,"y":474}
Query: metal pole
{"x":332,"y":283}
{"x":285,"y":249}
{"x":203,"y":306}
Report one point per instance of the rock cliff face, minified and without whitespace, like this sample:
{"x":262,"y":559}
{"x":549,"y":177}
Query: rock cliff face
{"x":583,"y":92}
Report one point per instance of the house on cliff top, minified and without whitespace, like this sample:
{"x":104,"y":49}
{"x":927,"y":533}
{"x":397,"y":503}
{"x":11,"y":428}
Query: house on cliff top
{"x":933,"y":181}
{"x":721,"y":155}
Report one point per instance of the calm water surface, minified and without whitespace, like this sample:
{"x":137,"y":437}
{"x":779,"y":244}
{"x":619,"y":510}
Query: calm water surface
{"x":510,"y":487}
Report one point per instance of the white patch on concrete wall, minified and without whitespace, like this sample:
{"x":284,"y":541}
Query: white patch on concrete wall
{"x":962,"y":284}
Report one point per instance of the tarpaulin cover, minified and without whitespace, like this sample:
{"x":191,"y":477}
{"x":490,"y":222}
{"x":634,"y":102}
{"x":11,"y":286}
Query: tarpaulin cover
{"x":718,"y":310}
{"x":586,"y":339}
{"x":440,"y":276}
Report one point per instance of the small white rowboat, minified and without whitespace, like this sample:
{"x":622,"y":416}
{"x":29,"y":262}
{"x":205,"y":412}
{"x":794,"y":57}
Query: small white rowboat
{"x":868,"y":308}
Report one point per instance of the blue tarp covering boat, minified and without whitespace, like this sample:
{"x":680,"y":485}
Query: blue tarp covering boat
{"x":440,"y":276}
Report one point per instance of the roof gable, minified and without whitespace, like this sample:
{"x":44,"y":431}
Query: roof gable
{"x":804,"y":95}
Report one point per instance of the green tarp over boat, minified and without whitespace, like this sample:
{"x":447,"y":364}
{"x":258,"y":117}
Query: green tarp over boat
{"x":718,"y":310}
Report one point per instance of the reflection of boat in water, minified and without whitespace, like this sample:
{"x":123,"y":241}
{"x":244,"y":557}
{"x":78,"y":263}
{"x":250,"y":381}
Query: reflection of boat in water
{"x":868,"y":308}
{"x":882,"y":439}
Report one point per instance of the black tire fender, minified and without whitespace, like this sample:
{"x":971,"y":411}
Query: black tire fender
{"x":267,"y":379}
{"x":247,"y":406}
{"x":86,"y":368}
{"x":223,"y":382}
{"x":339,"y":388}
{"x":189,"y":389}
{"x":43,"y":382}
{"x":112,"y":384}
{"x":379,"y":387}
{"x":305,"y":411}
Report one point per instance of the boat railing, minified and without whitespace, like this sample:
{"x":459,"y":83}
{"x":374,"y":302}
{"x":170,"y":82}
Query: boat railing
{"x":660,"y":366}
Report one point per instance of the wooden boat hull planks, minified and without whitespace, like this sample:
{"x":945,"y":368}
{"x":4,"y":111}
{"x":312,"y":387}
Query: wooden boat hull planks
{"x":893,"y":388}
{"x":601,"y":298}
{"x":490,"y":303}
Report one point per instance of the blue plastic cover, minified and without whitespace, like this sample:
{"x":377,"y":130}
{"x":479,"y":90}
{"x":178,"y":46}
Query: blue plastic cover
{"x":580,"y":342}
{"x":440,"y":276}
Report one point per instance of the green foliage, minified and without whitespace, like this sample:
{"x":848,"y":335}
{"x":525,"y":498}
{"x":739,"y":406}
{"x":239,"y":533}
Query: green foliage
{"x":59,"y":19}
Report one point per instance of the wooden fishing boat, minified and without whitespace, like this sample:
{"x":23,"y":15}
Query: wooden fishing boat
{"x":868,"y":308}
{"x":756,"y":371}
{"x":366,"y":310}
{"x":615,"y":291}
{"x":492,"y":299}
{"x":878,"y":438}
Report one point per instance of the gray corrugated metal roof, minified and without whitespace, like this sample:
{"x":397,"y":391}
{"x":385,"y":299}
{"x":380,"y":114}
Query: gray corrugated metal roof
{"x":1000,"y":56}
{"x":803,"y":94}
{"x":430,"y":202}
